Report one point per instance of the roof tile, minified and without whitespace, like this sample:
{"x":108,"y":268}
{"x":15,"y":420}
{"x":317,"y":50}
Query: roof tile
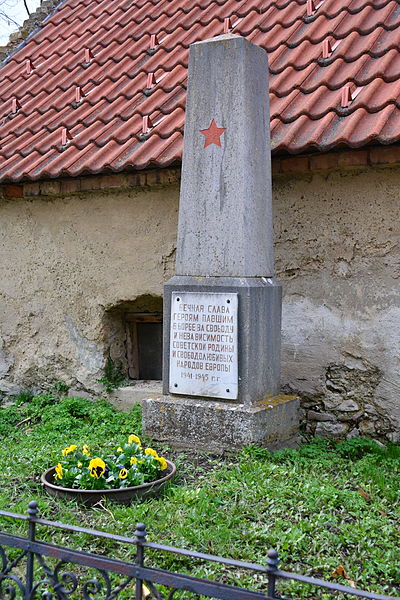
{"x":105,"y":125}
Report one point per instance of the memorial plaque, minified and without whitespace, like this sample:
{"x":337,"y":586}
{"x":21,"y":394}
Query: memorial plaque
{"x":203,"y":345}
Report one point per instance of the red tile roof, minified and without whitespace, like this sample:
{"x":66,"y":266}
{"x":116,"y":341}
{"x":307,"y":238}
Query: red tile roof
{"x":74,"y":97}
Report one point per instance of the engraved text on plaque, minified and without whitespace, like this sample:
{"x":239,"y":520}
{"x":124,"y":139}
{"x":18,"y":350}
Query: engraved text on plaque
{"x":203,"y":345}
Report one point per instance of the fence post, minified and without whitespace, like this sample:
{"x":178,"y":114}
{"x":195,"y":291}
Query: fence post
{"x":32,"y":514}
{"x":140,"y":538}
{"x":272,"y":567}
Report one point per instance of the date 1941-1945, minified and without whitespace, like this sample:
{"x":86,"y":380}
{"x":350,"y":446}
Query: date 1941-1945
{"x":200,"y":376}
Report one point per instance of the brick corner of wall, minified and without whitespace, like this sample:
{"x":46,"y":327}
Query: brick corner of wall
{"x":12,"y":190}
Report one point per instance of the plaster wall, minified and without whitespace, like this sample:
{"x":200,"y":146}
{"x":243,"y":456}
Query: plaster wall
{"x":338,"y":257}
{"x":66,"y":261}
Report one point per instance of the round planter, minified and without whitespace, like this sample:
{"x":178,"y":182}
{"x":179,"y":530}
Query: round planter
{"x":122,"y":495}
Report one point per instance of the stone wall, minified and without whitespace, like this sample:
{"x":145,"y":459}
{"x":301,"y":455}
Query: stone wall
{"x":70,"y":261}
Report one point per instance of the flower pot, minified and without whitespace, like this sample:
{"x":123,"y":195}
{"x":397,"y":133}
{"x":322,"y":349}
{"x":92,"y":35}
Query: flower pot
{"x":120,"y":495}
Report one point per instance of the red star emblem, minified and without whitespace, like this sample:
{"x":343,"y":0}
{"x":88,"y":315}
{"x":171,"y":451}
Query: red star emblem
{"x":212,"y":134}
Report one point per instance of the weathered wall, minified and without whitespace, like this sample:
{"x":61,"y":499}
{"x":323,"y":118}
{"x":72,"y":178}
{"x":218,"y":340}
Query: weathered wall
{"x":65,"y":261}
{"x":338,"y":257}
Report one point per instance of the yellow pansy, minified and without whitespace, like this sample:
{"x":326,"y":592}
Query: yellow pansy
{"x":163,"y":463}
{"x":119,"y":450}
{"x":151,"y":452}
{"x":123,"y":474}
{"x":97,"y":467}
{"x":59,"y":471}
{"x":68,"y":450}
{"x":79,"y":465}
{"x":134,"y":439}
{"x":134,"y":460}
{"x":85,"y":450}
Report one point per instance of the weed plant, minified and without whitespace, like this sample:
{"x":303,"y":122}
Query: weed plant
{"x":322,"y":506}
{"x":114,"y":377}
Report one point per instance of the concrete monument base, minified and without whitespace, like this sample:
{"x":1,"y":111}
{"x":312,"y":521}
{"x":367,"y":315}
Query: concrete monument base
{"x":218,"y":426}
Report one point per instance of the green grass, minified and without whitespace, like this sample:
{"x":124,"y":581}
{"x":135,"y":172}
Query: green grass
{"x":307,"y":503}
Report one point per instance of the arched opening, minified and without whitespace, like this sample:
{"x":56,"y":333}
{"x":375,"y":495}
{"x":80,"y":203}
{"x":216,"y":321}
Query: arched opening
{"x":134,"y":337}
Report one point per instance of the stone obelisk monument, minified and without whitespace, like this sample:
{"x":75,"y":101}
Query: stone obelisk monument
{"x":222,"y":310}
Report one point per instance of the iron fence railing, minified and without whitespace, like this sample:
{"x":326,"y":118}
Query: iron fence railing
{"x":38,"y":569}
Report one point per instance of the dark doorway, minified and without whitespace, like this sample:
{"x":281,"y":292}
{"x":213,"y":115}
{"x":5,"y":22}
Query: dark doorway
{"x":144,"y":345}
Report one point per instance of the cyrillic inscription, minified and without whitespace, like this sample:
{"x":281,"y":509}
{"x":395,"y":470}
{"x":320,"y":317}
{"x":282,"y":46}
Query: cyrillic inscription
{"x":203,"y":345}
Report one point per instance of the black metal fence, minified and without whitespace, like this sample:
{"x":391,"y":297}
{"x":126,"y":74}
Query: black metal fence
{"x":38,"y":569}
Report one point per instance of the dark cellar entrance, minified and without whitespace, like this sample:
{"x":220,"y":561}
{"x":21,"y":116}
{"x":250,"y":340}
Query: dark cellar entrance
{"x":133,"y":334}
{"x":144,"y":345}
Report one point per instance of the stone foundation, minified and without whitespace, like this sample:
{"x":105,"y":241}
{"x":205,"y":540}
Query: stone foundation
{"x":346,"y":405}
{"x":219,"y":426}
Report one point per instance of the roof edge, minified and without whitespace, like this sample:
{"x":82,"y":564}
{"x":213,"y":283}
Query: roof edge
{"x":30,"y":27}
{"x":373,"y":156}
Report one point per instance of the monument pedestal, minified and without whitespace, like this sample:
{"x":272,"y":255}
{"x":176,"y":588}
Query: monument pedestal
{"x":218,"y":426}
{"x":257,"y":333}
{"x":194,"y":351}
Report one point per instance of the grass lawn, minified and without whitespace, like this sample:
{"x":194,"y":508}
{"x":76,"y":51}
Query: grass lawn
{"x":320,"y":507}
